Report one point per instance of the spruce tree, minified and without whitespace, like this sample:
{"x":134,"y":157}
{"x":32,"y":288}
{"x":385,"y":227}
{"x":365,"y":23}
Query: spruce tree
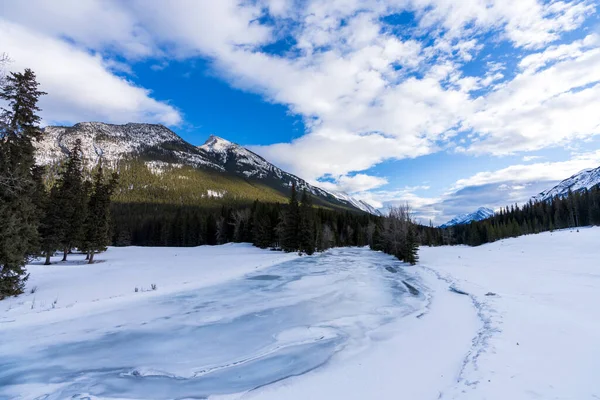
{"x":71,"y":201}
{"x":19,"y":179}
{"x":306,"y":234}
{"x":50,"y":233}
{"x":261,"y":227}
{"x":291,"y":222}
{"x":411,"y":253}
{"x":97,"y":222}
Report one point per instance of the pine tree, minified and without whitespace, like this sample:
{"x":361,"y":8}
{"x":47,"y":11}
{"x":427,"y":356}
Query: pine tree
{"x":19,"y":179}
{"x":377,"y":238}
{"x":50,"y":225}
{"x":261,"y":227}
{"x":71,"y":201}
{"x":290,"y":224}
{"x":412,"y":245}
{"x":97,"y":222}
{"x":306,"y":234}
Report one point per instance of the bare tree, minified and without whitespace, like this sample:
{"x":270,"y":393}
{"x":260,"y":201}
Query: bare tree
{"x":241,"y":219}
{"x":327,"y":238}
{"x":370,"y":232}
{"x":4,"y":60}
{"x":398,"y":231}
{"x":221,"y":230}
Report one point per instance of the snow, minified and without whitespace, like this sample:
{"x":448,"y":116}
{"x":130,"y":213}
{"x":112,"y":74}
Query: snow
{"x":515,"y":319}
{"x":586,"y":179}
{"x":251,"y":165}
{"x":360,"y":204}
{"x":114,"y":143}
{"x":479,"y":215}
{"x":541,"y":326}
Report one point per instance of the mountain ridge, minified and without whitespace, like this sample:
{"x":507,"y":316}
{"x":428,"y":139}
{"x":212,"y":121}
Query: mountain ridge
{"x":160,"y":148}
{"x":585,"y":179}
{"x":480,"y":214}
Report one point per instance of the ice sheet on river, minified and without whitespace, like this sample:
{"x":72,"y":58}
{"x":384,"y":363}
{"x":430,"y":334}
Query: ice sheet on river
{"x":233,"y":337}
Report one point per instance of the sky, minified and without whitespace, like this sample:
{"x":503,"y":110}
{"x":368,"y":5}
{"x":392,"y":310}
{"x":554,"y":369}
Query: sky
{"x":447,"y":105}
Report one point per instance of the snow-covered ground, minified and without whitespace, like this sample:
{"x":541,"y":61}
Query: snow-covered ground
{"x":516,"y":319}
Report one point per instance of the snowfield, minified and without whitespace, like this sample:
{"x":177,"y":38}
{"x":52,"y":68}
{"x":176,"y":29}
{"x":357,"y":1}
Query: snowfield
{"x":515,"y":319}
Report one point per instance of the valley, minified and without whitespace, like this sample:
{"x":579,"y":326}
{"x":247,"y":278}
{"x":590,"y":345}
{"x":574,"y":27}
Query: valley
{"x":496,"y":321}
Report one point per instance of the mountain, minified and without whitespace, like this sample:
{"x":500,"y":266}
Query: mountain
{"x":481,"y":214}
{"x":159,"y":164}
{"x":585,"y":179}
{"x":243,"y":162}
{"x":117,"y":142}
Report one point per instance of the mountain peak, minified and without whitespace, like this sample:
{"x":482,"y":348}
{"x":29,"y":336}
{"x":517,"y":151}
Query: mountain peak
{"x":586,"y":179}
{"x":215,"y":143}
{"x":480,"y":214}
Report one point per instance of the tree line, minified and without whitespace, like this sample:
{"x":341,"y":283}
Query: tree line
{"x":575,"y":209}
{"x":296,"y":226}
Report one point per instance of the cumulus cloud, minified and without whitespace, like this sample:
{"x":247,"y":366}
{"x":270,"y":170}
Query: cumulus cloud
{"x":81,"y":85}
{"x":355,"y":184}
{"x":368,"y":92}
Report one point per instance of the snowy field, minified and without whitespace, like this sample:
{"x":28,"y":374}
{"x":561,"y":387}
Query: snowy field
{"x":516,"y":319}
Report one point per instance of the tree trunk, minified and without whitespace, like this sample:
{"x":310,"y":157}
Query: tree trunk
{"x":87,"y":255}
{"x":48,"y":254}
{"x":91,"y":254}
{"x":66,"y":251}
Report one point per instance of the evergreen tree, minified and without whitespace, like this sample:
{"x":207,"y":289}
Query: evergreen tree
{"x":71,"y":201}
{"x":290,"y":224}
{"x":262,"y":235}
{"x":377,"y":244}
{"x":306,"y":234}
{"x":50,"y":225}
{"x":19,"y":179}
{"x":412,"y":245}
{"x":97,"y":222}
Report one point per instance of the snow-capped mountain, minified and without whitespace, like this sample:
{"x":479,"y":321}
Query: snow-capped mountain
{"x":241,"y":161}
{"x":360,"y":204}
{"x":116,"y":142}
{"x":585,"y":179}
{"x":481,"y":214}
{"x":159,"y":148}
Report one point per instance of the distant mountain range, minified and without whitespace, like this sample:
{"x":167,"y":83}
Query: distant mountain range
{"x":481,"y":214}
{"x":585,"y":179}
{"x":229,"y":166}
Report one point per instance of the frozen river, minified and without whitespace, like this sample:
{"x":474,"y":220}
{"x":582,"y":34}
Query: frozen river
{"x":233,"y":337}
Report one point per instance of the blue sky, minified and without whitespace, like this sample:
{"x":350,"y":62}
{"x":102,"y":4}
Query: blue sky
{"x":446,"y":105}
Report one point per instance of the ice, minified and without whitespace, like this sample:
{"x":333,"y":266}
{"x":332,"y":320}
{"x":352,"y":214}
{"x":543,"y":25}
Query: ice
{"x":232,"y":337}
{"x":514,"y":319}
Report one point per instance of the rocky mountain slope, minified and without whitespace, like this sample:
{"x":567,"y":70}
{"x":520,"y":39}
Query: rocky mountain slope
{"x":478,"y":215}
{"x":585,"y":179}
{"x":160,"y":149}
{"x":243,"y":162}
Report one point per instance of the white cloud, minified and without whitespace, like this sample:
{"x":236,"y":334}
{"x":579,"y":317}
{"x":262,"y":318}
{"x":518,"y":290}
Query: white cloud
{"x":366,"y":93}
{"x":542,"y":107}
{"x":523,"y":173}
{"x":90,"y":24}
{"x":531,"y":158}
{"x":80,"y":85}
{"x":354,"y":184}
